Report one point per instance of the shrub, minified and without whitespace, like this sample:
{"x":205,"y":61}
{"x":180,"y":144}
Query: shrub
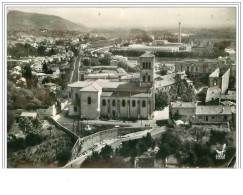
{"x":33,"y":139}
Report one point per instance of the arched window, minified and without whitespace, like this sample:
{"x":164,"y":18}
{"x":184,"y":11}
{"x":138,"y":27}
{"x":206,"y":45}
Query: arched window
{"x":133,"y":103}
{"x":123,"y":103}
{"x":149,"y":65}
{"x":144,"y":65}
{"x":144,"y":103}
{"x":76,"y":96}
{"x":89,"y":100}
{"x":148,"y":78}
{"x":75,"y":108}
{"x":144,"y":78}
{"x":103,"y":102}
{"x":113,"y":102}
{"x":192,"y":68}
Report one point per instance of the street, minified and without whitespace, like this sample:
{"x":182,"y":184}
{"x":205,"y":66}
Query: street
{"x":75,"y":72}
{"x":114,"y":143}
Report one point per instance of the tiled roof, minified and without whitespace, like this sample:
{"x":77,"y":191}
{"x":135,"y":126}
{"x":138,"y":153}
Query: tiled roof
{"x":80,"y":84}
{"x":213,"y":110}
{"x":126,"y":94}
{"x":183,"y":105}
{"x":93,"y":87}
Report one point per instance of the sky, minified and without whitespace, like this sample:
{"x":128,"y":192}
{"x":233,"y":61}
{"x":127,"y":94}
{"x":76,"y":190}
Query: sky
{"x":163,"y":17}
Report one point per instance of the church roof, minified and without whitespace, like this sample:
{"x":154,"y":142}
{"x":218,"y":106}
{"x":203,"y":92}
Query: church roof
{"x":92,"y":88}
{"x":126,"y":94}
{"x":80,"y":84}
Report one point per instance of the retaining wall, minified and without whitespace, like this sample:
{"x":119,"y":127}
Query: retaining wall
{"x":64,"y":129}
{"x":86,"y":143}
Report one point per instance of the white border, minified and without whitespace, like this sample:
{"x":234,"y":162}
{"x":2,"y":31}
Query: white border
{"x":125,"y":181}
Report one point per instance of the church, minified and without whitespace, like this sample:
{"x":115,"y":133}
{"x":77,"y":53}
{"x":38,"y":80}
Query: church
{"x":106,"y":99}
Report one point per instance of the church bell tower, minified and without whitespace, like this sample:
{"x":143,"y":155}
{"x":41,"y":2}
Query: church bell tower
{"x":146,"y":70}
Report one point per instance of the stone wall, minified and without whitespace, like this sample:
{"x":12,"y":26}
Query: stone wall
{"x":85,"y":143}
{"x":64,"y":129}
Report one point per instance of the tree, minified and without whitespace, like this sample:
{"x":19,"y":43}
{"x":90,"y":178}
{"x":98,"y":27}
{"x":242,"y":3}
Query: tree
{"x":27,"y":72}
{"x":44,"y":67}
{"x":161,"y":100}
{"x":63,"y":156}
{"x":37,"y":123}
{"x":163,"y":72}
{"x":52,"y":52}
{"x":33,"y":138}
{"x":125,"y":65}
{"x":41,"y":50}
{"x":86,"y":62}
{"x":10,"y":119}
{"x":183,"y":90}
{"x":106,"y":152}
{"x":169,"y":144}
{"x":25,"y":125}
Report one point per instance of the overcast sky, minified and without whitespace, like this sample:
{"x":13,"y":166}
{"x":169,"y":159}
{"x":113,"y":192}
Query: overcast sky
{"x":143,"y":17}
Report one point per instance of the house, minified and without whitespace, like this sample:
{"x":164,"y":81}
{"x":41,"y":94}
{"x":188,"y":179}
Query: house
{"x":185,"y":110}
{"x":205,"y":114}
{"x":220,"y":78}
{"x":219,"y":83}
{"x":195,"y":68}
{"x":188,"y":111}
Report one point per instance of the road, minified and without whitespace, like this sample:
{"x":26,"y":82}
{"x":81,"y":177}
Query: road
{"x":114,"y":143}
{"x":75,"y":72}
{"x":107,"y":47}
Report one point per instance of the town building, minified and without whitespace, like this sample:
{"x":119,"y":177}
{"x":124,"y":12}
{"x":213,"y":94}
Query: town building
{"x":218,"y":84}
{"x":212,"y":114}
{"x":189,"y":111}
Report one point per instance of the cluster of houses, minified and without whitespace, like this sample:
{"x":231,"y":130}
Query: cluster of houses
{"x":219,"y":106}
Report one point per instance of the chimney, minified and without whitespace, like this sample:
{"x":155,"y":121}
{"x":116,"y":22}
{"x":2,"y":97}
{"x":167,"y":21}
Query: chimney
{"x":179,"y":35}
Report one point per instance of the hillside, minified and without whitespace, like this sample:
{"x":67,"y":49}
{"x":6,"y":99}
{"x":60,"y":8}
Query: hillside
{"x":23,"y":21}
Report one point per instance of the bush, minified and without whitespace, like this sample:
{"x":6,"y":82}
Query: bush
{"x":10,"y":120}
{"x":33,"y":139}
{"x":15,"y":143}
{"x":63,"y":156}
{"x":106,"y":152}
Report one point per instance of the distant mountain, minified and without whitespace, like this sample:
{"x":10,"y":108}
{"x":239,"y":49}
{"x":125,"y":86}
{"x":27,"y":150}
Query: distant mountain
{"x":23,"y":21}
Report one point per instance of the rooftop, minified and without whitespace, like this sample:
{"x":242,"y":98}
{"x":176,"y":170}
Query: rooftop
{"x":147,"y":55}
{"x":213,"y":110}
{"x":28,"y":114}
{"x":166,"y":80}
{"x":183,"y":104}
{"x":80,"y":84}
{"x":126,"y":94}
{"x":92,"y":88}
